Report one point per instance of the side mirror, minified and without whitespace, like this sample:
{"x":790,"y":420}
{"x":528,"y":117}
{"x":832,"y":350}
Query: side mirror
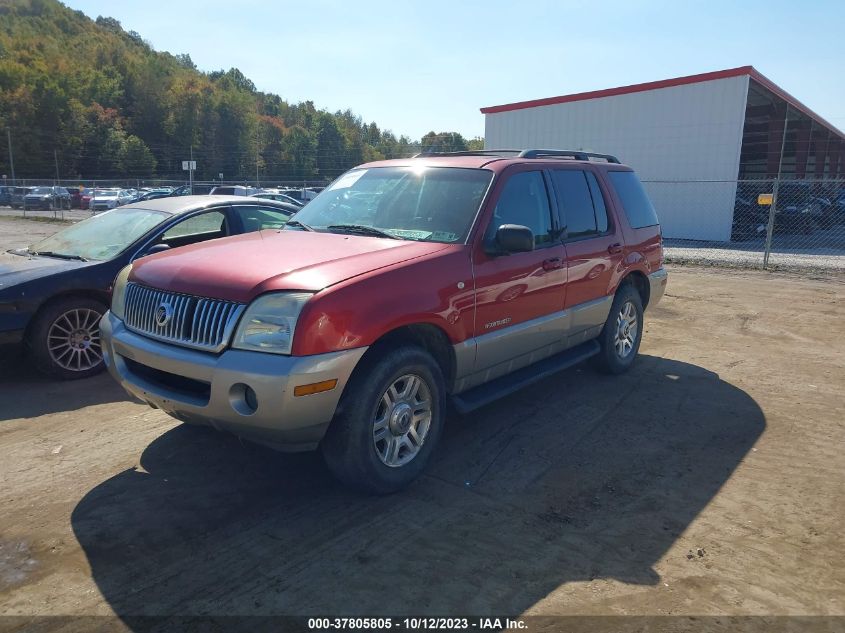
{"x":514,"y":238}
{"x":156,"y":248}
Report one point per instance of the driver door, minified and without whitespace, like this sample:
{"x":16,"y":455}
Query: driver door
{"x":520,"y":297}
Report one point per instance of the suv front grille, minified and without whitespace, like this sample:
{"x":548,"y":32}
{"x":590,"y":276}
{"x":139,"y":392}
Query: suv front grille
{"x":197,"y":322}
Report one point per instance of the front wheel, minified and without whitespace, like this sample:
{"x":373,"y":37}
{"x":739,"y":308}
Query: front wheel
{"x":622,"y":332}
{"x":389,"y":421}
{"x":65,"y":338}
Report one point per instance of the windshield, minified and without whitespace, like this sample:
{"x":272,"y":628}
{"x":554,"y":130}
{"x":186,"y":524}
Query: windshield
{"x":42,"y":190}
{"x":103,"y":236}
{"x":105,"y":194}
{"x":431,"y":204}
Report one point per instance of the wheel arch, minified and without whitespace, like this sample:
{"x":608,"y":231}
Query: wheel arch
{"x":102,"y":297}
{"x":639,"y":281}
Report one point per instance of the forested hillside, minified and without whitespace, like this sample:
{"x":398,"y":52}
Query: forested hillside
{"x":87,"y":99}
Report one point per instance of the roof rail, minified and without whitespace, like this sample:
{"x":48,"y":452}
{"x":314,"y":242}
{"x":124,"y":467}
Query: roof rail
{"x":476,"y":152}
{"x":565,"y":153}
{"x":527,"y":153}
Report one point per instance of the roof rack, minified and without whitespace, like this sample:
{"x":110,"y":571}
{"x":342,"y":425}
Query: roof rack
{"x":566,"y":153}
{"x":476,"y":152}
{"x":528,"y":153}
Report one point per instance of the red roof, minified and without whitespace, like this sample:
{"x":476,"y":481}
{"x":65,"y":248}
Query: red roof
{"x":666,"y":83}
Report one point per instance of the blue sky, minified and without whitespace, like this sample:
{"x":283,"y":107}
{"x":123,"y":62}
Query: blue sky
{"x":415,"y":66}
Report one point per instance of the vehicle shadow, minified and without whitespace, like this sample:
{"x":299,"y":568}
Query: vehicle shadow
{"x":578,"y":477}
{"x":24,"y":393}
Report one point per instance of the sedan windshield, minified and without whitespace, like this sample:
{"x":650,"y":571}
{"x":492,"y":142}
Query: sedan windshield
{"x":42,"y":190}
{"x":103,"y":236}
{"x":105,"y":194}
{"x":434,"y":204}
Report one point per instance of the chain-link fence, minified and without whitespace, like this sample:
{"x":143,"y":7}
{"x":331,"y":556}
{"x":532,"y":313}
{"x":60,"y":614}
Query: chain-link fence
{"x":754,"y":223}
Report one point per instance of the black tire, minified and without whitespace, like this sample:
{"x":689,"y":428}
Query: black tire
{"x":42,"y":337}
{"x":349,"y":447}
{"x":609,"y":359}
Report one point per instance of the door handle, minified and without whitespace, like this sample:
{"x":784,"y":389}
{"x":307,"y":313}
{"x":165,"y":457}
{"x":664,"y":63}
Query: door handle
{"x":613,"y":249}
{"x":552,"y":264}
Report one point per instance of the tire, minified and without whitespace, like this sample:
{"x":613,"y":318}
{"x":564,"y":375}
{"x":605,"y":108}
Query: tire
{"x":357,"y":451}
{"x":615,"y":356}
{"x":57,"y":340}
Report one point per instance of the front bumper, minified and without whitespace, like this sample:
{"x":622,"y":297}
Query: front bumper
{"x":657,"y":286}
{"x":204,"y":388}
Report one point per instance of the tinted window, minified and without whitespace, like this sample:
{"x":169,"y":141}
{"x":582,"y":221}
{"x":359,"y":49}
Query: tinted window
{"x":256,"y":218}
{"x":635,"y":202}
{"x":575,"y":202}
{"x":524,"y":201}
{"x":598,"y":203}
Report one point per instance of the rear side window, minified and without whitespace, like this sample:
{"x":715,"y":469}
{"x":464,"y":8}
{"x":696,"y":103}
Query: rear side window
{"x":635,"y":202}
{"x":581,"y":203}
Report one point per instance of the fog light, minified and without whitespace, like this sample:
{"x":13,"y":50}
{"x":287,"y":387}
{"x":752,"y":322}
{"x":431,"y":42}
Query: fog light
{"x":243,"y":399}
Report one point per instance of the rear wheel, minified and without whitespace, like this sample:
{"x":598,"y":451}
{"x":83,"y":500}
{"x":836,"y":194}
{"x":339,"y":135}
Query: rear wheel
{"x":389,"y":421}
{"x":622,"y":332}
{"x":65,"y":338}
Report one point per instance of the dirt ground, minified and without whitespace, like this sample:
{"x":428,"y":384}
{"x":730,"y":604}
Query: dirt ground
{"x":710,"y":479}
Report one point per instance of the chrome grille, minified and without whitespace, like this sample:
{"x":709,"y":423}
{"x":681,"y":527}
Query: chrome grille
{"x":196,"y":322}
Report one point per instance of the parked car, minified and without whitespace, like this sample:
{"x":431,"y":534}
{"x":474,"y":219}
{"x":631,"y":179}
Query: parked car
{"x":18,"y":195}
{"x":53,"y":294}
{"x":154,"y":194}
{"x":236,"y":190}
{"x":280,"y":197}
{"x":303,"y":195}
{"x":405,"y":284}
{"x":47,"y":198}
{"x":5,"y":195}
{"x":105,"y":199}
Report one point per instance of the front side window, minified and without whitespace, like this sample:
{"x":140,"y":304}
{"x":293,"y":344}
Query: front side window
{"x":635,"y":202}
{"x":430,"y":204}
{"x":524,"y":201}
{"x":575,"y":202}
{"x":209,"y":224}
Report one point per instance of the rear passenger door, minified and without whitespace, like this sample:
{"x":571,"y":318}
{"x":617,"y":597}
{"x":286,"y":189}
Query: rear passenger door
{"x":593,"y":247}
{"x":519,"y":296}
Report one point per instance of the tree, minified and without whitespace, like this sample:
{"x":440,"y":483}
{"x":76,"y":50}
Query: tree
{"x":443,"y":142}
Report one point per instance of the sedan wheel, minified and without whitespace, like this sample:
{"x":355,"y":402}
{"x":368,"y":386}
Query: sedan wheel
{"x":74,"y":340}
{"x":65,"y":338}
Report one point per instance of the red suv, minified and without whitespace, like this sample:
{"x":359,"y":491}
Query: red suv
{"x":405,"y":285}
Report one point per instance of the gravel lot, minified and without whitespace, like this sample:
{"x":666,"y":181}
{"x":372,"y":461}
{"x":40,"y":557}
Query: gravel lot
{"x":708,"y":480}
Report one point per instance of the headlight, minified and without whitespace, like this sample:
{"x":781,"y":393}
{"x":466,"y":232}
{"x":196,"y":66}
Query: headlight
{"x":118,"y":295}
{"x":269,"y":322}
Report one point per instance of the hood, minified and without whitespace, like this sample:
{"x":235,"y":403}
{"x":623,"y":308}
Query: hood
{"x":18,"y":267}
{"x":240,"y":268}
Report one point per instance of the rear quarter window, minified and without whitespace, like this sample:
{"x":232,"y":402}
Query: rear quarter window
{"x":635,"y":203}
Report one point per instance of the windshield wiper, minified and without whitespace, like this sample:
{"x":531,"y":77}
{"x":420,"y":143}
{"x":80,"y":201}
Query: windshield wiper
{"x":299,"y":224}
{"x":363,"y":229}
{"x":59,"y":255}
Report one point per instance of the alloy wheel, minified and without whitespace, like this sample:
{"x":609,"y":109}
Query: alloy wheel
{"x":626,"y":330}
{"x":402,"y":420}
{"x":74,"y":340}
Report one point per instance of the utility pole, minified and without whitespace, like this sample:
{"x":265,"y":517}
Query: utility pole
{"x":191,"y":171}
{"x":56,"y":160}
{"x":11,"y":158}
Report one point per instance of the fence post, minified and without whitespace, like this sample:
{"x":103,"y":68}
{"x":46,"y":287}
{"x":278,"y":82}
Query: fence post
{"x":770,"y":228}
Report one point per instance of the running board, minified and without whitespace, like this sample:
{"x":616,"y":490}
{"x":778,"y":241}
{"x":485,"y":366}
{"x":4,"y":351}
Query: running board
{"x":509,"y":383}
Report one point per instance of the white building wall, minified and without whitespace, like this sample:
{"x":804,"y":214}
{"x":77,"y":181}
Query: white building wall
{"x":681,"y":133}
